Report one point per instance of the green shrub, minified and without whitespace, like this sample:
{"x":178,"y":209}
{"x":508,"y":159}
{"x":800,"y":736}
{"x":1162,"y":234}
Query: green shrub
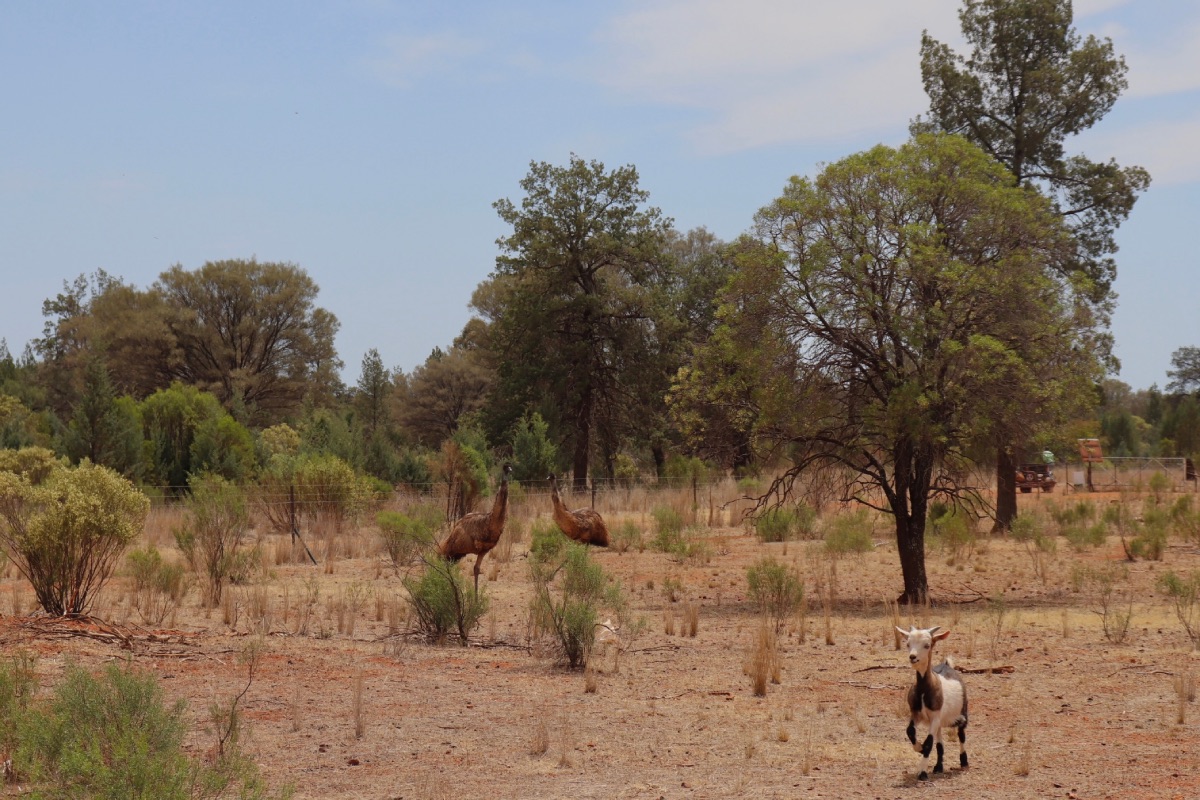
{"x":1185,"y":596}
{"x":158,"y":585}
{"x":849,"y":533}
{"x":444,"y":603}
{"x":782,"y":524}
{"x":405,"y":536}
{"x":324,"y":487}
{"x":66,"y":533}
{"x":625,"y":536}
{"x":570,"y":612}
{"x":1151,"y":540}
{"x":1184,"y":520}
{"x":212,"y":533}
{"x":951,"y":528}
{"x":112,"y":736}
{"x":546,"y":541}
{"x":18,"y":682}
{"x":776,"y":590}
{"x":1078,"y":513}
{"x":668,"y":530}
{"x":1081,"y":536}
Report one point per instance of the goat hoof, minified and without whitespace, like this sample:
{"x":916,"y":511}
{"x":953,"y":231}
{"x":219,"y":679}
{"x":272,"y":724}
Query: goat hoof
{"x":962,"y":760}
{"x":922,"y":775}
{"x":938,"y":769}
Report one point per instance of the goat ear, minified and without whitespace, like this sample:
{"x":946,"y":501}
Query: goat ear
{"x":937,"y":637}
{"x":903,"y":632}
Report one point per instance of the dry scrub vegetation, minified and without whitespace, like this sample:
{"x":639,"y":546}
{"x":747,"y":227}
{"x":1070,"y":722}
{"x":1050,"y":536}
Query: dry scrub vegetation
{"x":728,"y":662}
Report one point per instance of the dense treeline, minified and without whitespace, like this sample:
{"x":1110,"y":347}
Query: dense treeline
{"x":904,"y":317}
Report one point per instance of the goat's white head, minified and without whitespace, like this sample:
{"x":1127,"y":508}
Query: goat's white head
{"x":920,"y":643}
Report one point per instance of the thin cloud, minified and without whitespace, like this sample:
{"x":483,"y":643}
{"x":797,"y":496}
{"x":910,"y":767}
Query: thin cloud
{"x":772,"y":71}
{"x":1167,"y":67}
{"x":407,"y":59}
{"x":1166,"y":149}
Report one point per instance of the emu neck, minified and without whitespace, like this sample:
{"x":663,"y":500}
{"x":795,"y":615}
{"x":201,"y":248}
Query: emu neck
{"x":500,"y":506}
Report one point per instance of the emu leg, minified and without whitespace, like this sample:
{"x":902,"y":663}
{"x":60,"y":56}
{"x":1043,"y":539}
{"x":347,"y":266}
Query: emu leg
{"x":478,"y":560}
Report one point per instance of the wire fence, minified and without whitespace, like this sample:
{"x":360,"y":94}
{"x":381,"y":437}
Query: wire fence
{"x":1119,"y":473}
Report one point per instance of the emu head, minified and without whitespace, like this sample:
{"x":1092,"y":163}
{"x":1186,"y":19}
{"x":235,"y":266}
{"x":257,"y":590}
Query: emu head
{"x":506,"y":469}
{"x":920,"y":643}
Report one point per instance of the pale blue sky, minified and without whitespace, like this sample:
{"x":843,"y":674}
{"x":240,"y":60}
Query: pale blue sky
{"x":366,"y":140}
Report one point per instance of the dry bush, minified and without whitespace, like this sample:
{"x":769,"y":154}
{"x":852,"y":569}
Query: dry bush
{"x":762,"y":664}
{"x":669,"y":621}
{"x":691,"y":620}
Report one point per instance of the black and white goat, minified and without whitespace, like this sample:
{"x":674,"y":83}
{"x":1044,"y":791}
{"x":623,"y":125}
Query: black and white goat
{"x":938,"y":698}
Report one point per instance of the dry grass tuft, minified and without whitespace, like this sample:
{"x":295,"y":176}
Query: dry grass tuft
{"x":691,"y":620}
{"x":1185,"y":692}
{"x":763,"y":661}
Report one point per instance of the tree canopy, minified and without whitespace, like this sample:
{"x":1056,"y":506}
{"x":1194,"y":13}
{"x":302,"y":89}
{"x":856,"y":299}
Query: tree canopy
{"x":887,"y":313}
{"x":575,"y":304}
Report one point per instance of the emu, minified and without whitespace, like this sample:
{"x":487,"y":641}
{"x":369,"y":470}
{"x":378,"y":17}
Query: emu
{"x":583,"y":525}
{"x":937,"y":699}
{"x":478,"y":532}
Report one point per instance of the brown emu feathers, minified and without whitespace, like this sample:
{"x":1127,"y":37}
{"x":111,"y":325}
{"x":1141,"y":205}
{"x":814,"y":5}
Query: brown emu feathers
{"x":583,"y":525}
{"x":478,"y":532}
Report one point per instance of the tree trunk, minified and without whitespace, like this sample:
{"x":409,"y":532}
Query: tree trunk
{"x":660,"y":459}
{"x":910,"y":542}
{"x":583,"y":432}
{"x":1006,"y":491}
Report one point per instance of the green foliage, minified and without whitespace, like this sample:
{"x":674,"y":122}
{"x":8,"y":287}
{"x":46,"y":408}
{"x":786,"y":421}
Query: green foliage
{"x":34,"y":464}
{"x":1076,"y":514}
{"x":223,"y":446}
{"x":776,"y":590}
{"x":1184,"y":520}
{"x":1082,"y":536}
{"x":570,"y":613}
{"x":325,"y":488}
{"x":279,"y":440}
{"x":1184,"y":592}
{"x":18,"y":682}
{"x":1150,"y":541}
{"x":158,"y":585}
{"x":577,"y":309}
{"x":681,"y":468}
{"x":112,"y":736}
{"x":546,"y":542}
{"x":407,"y":535}
{"x":66,"y":533}
{"x":668,"y":530}
{"x":104,"y":429}
{"x":849,"y":533}
{"x":170,"y":420}
{"x":625,"y":536}
{"x":534,"y":455}
{"x":951,"y":528}
{"x":217,"y":520}
{"x":972,"y":362}
{"x":1029,"y":83}
{"x":781,"y":524}
{"x":444,"y":603}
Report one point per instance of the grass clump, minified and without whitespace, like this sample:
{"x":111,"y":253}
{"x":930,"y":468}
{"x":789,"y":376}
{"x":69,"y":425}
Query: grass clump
{"x":776,"y":590}
{"x":627,"y":536}
{"x":781,"y":524}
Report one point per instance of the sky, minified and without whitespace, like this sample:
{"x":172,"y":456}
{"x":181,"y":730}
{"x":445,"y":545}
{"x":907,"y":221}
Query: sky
{"x":365,"y":141}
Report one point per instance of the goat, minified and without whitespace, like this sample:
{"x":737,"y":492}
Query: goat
{"x":937,"y":699}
